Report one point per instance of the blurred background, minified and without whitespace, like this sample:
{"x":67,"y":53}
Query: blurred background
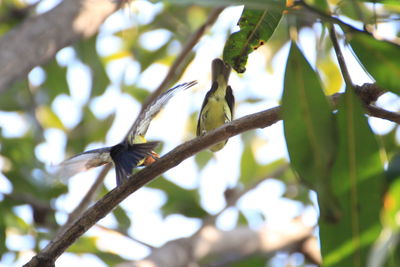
{"x":89,"y":95}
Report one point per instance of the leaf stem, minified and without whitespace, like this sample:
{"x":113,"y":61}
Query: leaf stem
{"x":340,"y":57}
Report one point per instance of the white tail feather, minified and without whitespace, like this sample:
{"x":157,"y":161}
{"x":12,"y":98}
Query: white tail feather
{"x":83,"y":162}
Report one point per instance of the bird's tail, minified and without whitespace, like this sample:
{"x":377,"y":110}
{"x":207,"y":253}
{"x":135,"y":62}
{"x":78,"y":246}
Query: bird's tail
{"x":127,"y":156}
{"x":82,"y":162}
{"x":219,"y":67}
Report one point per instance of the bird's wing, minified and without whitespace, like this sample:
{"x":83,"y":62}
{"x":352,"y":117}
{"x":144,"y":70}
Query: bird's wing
{"x":101,"y":156}
{"x":230,"y":99}
{"x":152,"y":110}
{"x":127,"y":156}
{"x":82,"y":162}
{"x":214,"y":87}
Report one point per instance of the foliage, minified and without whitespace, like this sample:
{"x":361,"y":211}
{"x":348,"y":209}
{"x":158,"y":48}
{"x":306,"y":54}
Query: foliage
{"x":332,"y":149}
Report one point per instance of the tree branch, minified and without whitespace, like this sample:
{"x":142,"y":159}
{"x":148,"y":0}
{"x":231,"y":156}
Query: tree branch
{"x":105,"y":205}
{"x":36,"y":40}
{"x":87,"y":199}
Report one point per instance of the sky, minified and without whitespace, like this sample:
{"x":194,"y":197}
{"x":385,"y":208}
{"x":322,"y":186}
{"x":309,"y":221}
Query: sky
{"x":223,"y":171}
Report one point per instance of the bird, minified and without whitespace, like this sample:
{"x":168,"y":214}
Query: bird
{"x":218,"y":104}
{"x":132,"y":152}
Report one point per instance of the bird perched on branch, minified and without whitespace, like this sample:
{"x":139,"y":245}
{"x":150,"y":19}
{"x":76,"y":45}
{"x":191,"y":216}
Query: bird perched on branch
{"x":218,"y":104}
{"x":132,"y":152}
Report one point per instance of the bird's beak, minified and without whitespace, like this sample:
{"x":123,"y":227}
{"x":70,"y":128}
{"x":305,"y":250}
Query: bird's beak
{"x":150,"y":158}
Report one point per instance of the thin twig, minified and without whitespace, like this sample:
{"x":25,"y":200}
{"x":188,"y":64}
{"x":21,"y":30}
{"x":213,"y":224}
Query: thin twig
{"x":307,"y":10}
{"x":383,"y":114}
{"x":125,"y":235}
{"x":87,"y":199}
{"x":322,"y":16}
{"x":238,"y":194}
{"x":340,"y":57}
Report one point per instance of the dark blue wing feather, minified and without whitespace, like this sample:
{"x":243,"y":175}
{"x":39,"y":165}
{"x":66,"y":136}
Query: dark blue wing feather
{"x":127,"y":156}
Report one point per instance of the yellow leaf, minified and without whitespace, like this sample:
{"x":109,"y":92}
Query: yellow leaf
{"x":118,"y":55}
{"x":48,"y":119}
{"x":330,"y":74}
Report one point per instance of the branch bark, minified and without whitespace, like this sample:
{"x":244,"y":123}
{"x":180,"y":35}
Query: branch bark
{"x":63,"y":240}
{"x":100,"y":209}
{"x":36,"y":40}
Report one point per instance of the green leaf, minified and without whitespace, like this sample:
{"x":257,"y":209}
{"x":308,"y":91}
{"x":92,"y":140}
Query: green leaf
{"x":139,"y":94}
{"x":310,"y":129}
{"x":90,"y":129}
{"x":56,"y":80}
{"x":48,"y":119}
{"x":393,"y":170}
{"x":3,"y":248}
{"x":248,"y":166}
{"x":357,"y":181}
{"x":242,"y":220}
{"x":253,"y":100}
{"x":179,"y":200}
{"x":330,"y":73}
{"x":256,"y":4}
{"x":110,"y":259}
{"x":356,"y":10}
{"x":12,"y":221}
{"x":124,"y":222}
{"x":203,"y":158}
{"x":16,"y":98}
{"x":256,"y":27}
{"x":20,"y":154}
{"x":389,"y":142}
{"x":251,"y":171}
{"x":391,"y":207}
{"x":146,"y":57}
{"x":319,"y":4}
{"x":86,"y":244}
{"x":86,"y":51}
{"x":254,"y":260}
{"x":380,"y":58}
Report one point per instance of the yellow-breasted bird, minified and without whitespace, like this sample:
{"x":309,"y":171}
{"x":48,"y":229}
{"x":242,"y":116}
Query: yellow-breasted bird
{"x":133,"y":151}
{"x":219,"y":102}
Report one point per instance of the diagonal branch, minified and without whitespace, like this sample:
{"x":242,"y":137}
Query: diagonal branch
{"x":105,"y":205}
{"x":87,"y":199}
